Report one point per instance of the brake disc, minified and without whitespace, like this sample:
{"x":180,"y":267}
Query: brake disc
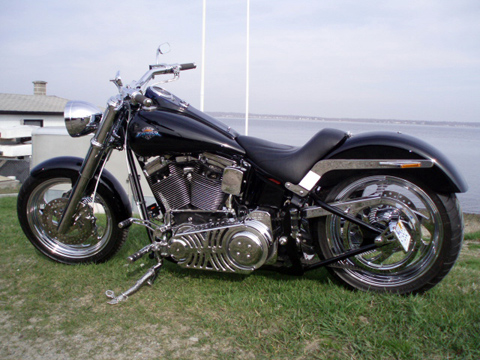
{"x":82,"y":228}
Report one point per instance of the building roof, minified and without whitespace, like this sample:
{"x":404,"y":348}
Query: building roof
{"x":13,"y":103}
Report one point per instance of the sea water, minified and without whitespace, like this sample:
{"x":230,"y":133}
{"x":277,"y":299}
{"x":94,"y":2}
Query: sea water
{"x":459,"y":143}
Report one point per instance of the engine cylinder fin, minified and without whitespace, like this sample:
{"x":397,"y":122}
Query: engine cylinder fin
{"x":173,"y":190}
{"x":207,"y":193}
{"x":177,"y":185}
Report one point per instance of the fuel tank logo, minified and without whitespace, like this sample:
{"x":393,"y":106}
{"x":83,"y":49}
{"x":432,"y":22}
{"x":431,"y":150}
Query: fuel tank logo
{"x":148,"y":133}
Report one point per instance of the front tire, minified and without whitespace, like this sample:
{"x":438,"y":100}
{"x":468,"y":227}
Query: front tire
{"x":434,"y":223}
{"x":94,"y":236}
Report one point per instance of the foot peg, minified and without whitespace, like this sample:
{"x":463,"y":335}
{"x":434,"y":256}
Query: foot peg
{"x":125,"y":223}
{"x":141,"y":252}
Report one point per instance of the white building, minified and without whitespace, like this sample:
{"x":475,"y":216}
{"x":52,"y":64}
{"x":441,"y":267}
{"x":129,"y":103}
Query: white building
{"x":20,"y":115}
{"x":38,"y":109}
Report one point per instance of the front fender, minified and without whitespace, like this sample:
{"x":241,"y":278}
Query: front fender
{"x":442,"y":177}
{"x":107,"y":180}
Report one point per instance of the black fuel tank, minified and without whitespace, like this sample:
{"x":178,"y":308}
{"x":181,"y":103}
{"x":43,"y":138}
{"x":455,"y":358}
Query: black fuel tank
{"x":157,"y":132}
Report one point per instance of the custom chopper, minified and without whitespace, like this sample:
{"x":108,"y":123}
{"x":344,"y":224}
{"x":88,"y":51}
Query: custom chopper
{"x":378,"y":209}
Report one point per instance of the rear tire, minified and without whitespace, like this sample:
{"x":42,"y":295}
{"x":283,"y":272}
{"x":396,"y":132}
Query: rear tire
{"x":433,"y":221}
{"x":93,"y":238}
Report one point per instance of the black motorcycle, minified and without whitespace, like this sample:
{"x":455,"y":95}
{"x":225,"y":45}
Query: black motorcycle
{"x":378,"y":209}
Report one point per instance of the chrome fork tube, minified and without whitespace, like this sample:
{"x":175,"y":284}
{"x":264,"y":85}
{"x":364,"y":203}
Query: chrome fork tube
{"x":89,"y":166}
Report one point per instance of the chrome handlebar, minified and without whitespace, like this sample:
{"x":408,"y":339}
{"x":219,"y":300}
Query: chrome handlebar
{"x":162,"y":69}
{"x":136,"y":88}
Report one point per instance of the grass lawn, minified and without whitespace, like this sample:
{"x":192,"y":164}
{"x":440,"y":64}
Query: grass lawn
{"x":54,"y":311}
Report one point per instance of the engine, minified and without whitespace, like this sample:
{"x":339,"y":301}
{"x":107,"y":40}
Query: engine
{"x":207,"y":231}
{"x":185,"y":182}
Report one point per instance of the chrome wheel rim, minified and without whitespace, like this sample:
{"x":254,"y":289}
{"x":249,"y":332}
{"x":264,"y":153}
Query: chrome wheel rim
{"x":390,"y":265}
{"x":88,"y":235}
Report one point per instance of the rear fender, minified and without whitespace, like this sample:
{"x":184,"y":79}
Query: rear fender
{"x":384,"y":153}
{"x":442,"y":177}
{"x":108,"y":181}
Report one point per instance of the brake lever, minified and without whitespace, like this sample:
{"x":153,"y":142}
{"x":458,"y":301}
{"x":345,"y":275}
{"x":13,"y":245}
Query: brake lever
{"x":118,"y":82}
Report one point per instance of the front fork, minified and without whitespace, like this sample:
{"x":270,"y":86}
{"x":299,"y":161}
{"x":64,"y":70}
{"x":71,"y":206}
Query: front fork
{"x":89,"y":167}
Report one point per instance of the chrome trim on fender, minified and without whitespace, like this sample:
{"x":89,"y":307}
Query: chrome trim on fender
{"x":324,"y":166}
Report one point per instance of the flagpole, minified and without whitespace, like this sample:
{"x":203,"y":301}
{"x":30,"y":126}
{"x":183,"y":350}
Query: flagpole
{"x":202,"y":81}
{"x":247,"y":100}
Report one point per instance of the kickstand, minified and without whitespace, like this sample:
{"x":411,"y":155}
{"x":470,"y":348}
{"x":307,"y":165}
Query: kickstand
{"x":149,"y":278}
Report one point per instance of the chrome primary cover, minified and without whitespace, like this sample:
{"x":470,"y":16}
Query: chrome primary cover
{"x":81,"y":118}
{"x":238,"y":247}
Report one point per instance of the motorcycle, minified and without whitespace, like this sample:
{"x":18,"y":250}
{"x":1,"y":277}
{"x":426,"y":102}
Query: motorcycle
{"x":378,"y":209}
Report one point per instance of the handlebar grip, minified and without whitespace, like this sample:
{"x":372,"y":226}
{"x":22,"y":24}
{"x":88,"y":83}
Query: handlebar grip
{"x":188,"y":66}
{"x":142,"y":99}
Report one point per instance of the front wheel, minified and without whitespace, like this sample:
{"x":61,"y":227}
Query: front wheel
{"x":430,"y":239}
{"x":94,"y":235}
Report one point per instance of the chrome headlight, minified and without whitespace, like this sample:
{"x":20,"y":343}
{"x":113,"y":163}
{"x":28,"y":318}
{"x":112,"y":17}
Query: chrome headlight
{"x":81,"y":118}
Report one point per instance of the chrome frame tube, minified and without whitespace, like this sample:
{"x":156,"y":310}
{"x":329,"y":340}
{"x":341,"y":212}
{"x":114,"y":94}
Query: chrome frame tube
{"x":341,"y":257}
{"x":135,"y":185}
{"x":312,"y":212}
{"x":370,"y":232}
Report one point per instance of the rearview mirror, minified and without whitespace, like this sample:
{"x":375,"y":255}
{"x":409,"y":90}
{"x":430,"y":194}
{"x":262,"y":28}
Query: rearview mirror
{"x":162,"y":49}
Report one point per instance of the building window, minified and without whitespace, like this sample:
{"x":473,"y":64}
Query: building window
{"x":33,"y":122}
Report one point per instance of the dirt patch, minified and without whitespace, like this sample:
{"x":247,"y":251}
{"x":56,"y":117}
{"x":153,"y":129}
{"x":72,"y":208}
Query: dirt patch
{"x":161,"y":341}
{"x":472,"y":223}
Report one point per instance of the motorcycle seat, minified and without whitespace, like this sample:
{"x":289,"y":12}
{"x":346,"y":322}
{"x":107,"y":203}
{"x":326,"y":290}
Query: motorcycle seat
{"x":290,"y":163}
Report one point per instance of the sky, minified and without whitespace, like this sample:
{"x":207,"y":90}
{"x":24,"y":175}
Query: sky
{"x":391,"y":59}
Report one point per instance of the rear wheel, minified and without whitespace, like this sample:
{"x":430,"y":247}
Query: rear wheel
{"x":94,"y":235}
{"x":431,"y":230}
